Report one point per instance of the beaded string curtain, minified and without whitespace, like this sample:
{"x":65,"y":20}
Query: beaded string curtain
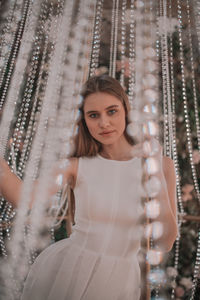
{"x":36,"y":61}
{"x":55,"y":35}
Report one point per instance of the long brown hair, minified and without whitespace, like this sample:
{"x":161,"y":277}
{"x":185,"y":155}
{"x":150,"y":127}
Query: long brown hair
{"x":85,"y":144}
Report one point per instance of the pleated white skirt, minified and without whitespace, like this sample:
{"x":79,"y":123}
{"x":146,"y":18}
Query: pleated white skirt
{"x":65,"y":271}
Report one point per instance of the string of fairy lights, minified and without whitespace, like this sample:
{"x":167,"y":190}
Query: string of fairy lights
{"x":35,"y":61}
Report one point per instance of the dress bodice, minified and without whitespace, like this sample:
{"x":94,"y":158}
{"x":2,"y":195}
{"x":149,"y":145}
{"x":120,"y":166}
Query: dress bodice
{"x":99,"y":260}
{"x":108,"y":206}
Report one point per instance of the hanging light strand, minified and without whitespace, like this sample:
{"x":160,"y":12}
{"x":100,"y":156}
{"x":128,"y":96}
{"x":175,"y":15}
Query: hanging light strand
{"x":188,"y":135}
{"x":18,"y":75}
{"x":8,"y":37}
{"x":175,"y":155}
{"x":15,"y":50}
{"x":197,"y":20}
{"x":194,"y":86}
{"x":115,"y":40}
{"x":165,"y":79}
{"x":197,"y":261}
{"x":123,"y":41}
{"x":196,"y":269}
{"x":91,"y":42}
{"x":45,"y":39}
{"x":17,"y":262}
{"x":34,"y":118}
{"x":185,"y":102}
{"x":180,"y":209}
{"x":8,"y":213}
{"x":68,"y":112}
{"x":19,"y":128}
{"x":112,"y":37}
{"x":175,"y":158}
{"x":28,"y":101}
{"x":131,"y":86}
{"x":96,"y":38}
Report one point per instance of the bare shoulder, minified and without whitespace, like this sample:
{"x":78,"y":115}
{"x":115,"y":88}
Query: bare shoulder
{"x":73,"y":165}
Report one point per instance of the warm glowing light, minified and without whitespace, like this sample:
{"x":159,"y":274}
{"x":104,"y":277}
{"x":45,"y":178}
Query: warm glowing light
{"x":150,"y":95}
{"x":154,"y":257}
{"x":152,"y":186}
{"x":152,"y":209}
{"x":151,"y":166}
{"x":150,"y":128}
{"x":151,"y":147}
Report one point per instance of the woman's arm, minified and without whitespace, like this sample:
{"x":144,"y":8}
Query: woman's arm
{"x":170,"y":177}
{"x":167,"y":199}
{"x":11,"y":185}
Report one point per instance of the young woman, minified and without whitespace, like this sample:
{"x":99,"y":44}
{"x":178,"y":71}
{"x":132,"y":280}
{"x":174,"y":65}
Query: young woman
{"x":100,"y":259}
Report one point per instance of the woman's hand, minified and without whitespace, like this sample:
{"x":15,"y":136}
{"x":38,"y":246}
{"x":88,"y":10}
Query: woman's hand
{"x":10,"y":184}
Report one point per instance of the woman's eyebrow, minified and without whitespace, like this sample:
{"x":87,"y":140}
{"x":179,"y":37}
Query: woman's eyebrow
{"x":112,"y":106}
{"x":91,"y":112}
{"x":107,"y":108}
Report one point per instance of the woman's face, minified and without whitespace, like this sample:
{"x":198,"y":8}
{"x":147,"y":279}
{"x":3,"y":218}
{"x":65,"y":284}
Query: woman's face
{"x":105,"y":117}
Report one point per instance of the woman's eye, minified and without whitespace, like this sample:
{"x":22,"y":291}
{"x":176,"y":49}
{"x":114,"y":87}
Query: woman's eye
{"x":112,"y":111}
{"x":93,"y":116}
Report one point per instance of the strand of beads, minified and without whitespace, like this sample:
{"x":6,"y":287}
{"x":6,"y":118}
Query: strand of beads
{"x":68,"y":112}
{"x":8,"y":39}
{"x":196,"y":269}
{"x":145,"y":117}
{"x":51,"y":136}
{"x":36,"y":109}
{"x":7,"y":214}
{"x":188,"y":128}
{"x":66,"y":115}
{"x":123,"y":41}
{"x":175,"y":155}
{"x":16,"y":144}
{"x":197,"y":19}
{"x":94,"y":62}
{"x":42,"y":43}
{"x":185,"y":102}
{"x":194,"y":88}
{"x":18,"y":76}
{"x":18,"y":238}
{"x":50,"y":24}
{"x":29,"y":102}
{"x":113,"y":40}
{"x":14,"y":52}
{"x":156,"y":274}
{"x":131,"y":84}
{"x":91,"y":42}
{"x":168,"y":137}
{"x":6,"y":217}
{"x":175,"y":158}
{"x":6,"y":34}
{"x":112,"y":35}
{"x":76,"y":57}
{"x":194,"y":85}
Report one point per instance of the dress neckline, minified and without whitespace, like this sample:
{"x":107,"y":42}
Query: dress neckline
{"x":117,"y":161}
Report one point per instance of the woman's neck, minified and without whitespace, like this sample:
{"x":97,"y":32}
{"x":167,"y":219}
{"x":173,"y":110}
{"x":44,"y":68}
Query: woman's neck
{"x":121,"y":150}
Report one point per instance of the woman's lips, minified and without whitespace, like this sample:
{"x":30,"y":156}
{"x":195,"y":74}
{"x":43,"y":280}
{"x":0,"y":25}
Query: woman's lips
{"x":104,"y":133}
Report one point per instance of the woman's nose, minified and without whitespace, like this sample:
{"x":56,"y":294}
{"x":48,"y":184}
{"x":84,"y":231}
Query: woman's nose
{"x":103,"y":121}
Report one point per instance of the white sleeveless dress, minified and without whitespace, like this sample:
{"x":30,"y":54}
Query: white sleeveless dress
{"x":99,"y":261}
